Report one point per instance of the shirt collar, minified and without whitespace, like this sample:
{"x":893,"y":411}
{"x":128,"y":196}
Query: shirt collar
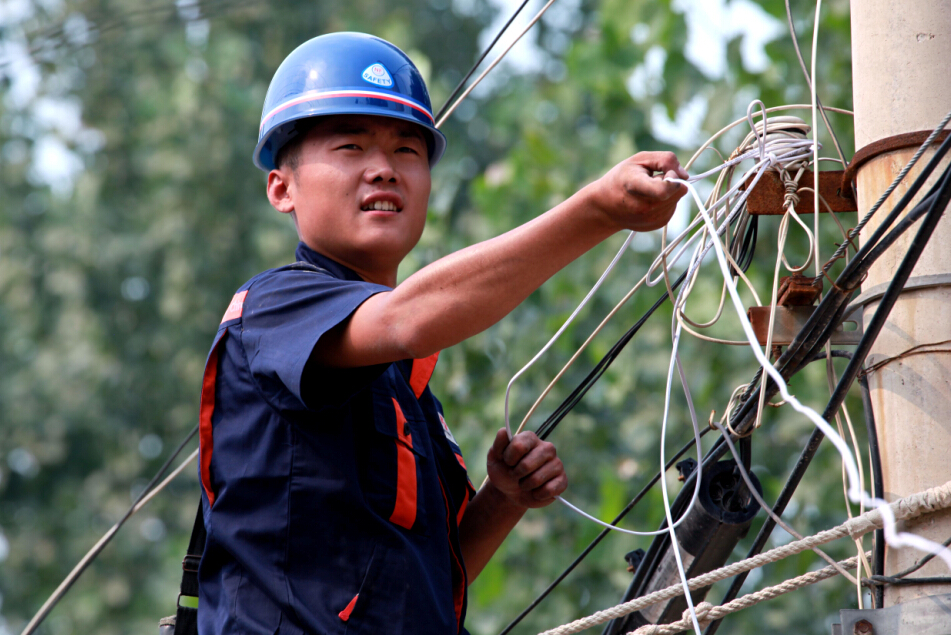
{"x":337,"y":270}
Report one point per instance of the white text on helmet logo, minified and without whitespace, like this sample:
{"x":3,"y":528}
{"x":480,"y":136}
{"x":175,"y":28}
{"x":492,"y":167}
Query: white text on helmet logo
{"x":377,"y":75}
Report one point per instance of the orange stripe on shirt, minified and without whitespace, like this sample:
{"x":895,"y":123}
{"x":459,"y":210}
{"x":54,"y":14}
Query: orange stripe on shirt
{"x":459,"y":582}
{"x":206,"y":411}
{"x":345,"y":613}
{"x":404,"y":512}
{"x":422,"y":371}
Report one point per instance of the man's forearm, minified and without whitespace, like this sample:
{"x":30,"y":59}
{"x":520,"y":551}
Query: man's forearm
{"x":466,"y":292}
{"x":489,"y":518}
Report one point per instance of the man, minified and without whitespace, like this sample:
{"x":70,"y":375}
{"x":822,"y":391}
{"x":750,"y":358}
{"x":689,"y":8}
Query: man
{"x":334,"y":495}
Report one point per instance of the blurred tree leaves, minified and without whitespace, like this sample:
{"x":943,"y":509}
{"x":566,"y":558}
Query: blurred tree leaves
{"x":131,"y":212}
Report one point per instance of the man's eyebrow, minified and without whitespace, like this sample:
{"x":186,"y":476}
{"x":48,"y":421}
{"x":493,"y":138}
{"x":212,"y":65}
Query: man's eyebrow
{"x":347,"y":128}
{"x":412,"y":132}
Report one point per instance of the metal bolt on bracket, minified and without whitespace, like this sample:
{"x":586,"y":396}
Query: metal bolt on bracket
{"x":862,"y":627}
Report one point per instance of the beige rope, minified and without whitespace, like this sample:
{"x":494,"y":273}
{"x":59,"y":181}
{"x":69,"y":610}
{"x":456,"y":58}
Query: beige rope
{"x":707,"y":612}
{"x":912,"y":506}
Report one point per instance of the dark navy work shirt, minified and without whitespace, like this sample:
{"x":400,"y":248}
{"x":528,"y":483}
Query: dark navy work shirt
{"x":331,"y":497}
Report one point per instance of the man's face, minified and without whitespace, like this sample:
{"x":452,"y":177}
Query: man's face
{"x":360,"y":191}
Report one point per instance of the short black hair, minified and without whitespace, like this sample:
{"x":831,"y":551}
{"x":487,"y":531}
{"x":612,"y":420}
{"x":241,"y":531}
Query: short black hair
{"x":289,"y":154}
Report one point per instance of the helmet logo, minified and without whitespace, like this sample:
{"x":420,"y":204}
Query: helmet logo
{"x":377,"y":75}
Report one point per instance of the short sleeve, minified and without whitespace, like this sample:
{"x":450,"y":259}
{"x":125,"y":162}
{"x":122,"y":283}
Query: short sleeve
{"x":285,"y":313}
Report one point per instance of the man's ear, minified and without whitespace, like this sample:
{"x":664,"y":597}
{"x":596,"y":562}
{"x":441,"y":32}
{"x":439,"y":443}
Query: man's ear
{"x":280,"y":190}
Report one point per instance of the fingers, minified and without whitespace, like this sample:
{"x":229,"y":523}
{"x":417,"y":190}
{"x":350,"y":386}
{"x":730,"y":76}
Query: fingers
{"x":652,"y":187}
{"x":548,"y":481}
{"x":649,"y":172}
{"x":663,"y":162}
{"x":498,"y":446}
{"x":527,"y":468}
{"x":520,"y":445}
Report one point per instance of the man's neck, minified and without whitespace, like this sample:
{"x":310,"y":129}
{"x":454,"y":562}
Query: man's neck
{"x":385,"y":276}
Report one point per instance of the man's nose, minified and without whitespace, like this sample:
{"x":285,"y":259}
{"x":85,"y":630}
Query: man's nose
{"x":380,"y":168}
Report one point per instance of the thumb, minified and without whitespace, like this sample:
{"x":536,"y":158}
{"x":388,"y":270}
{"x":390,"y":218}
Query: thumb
{"x":498,"y":446}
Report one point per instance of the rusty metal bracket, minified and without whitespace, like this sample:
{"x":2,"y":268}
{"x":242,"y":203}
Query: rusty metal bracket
{"x":888,"y":144}
{"x":791,"y":319}
{"x":767,"y":197}
{"x":798,"y":290}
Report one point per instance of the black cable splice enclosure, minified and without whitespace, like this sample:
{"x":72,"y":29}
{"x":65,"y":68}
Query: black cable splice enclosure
{"x":707,"y":536}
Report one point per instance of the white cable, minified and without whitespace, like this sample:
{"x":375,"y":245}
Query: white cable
{"x":597,"y":285}
{"x":770,"y":152}
{"x":545,"y":348}
{"x":815,"y":136}
{"x":674,"y":545}
{"x":893,"y":537}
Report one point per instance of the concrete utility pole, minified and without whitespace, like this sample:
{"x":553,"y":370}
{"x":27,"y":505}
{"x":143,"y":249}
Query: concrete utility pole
{"x":901,"y":65}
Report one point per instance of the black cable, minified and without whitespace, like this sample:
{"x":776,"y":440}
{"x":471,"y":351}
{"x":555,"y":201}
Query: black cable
{"x":816,"y":332}
{"x":472,"y":70}
{"x":824,"y":331}
{"x":59,"y":594}
{"x":831,"y":310}
{"x":925,"y":560}
{"x":744,"y":259}
{"x":878,"y":484}
{"x":935,"y":209}
{"x":792,"y":482}
{"x":602,"y":535}
{"x":895,"y":288}
{"x":581,"y":390}
{"x":749,"y":245}
{"x":903,"y":202}
{"x":880,"y":581}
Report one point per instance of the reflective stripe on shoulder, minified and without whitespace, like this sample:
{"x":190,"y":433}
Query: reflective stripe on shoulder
{"x":236,"y":307}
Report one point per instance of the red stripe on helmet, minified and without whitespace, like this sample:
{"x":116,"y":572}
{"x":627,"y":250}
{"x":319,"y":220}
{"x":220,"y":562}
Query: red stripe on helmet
{"x":315,"y":95}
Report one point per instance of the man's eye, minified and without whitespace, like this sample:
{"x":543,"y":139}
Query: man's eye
{"x":408,"y":149}
{"x":349,"y":146}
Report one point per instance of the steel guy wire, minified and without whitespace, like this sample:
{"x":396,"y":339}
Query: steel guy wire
{"x":495,"y":63}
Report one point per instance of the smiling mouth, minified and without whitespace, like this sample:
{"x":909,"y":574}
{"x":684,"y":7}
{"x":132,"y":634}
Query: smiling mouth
{"x":380,"y":206}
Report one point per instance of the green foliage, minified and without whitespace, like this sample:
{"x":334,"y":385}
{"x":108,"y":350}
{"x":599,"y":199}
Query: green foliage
{"x":112,"y":281}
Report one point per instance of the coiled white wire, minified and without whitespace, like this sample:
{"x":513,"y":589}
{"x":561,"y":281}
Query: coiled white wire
{"x":770,"y":151}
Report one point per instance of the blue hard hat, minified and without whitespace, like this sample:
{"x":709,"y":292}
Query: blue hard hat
{"x":343,"y":74}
